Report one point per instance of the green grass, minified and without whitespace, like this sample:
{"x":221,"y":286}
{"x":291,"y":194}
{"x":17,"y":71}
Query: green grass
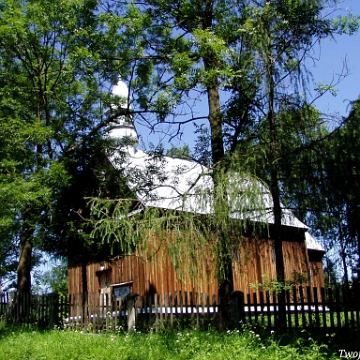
{"x":187,"y":344}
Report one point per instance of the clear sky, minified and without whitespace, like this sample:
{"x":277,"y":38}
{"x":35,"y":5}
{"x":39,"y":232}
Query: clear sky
{"x":331,"y":55}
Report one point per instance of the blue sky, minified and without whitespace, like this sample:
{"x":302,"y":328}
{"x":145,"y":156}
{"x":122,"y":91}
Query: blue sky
{"x":331,"y":55}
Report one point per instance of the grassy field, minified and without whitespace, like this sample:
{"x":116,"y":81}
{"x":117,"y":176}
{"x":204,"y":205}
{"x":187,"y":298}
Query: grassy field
{"x":188,"y":344}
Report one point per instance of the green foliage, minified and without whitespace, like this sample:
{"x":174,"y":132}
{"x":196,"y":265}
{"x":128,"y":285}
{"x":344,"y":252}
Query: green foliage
{"x":348,"y":24}
{"x":319,"y":180}
{"x":183,"y":152}
{"x":340,"y":223}
{"x":255,"y":51}
{"x":274,"y":286}
{"x":323,"y":87}
{"x":57,"y":60}
{"x":53,"y":280}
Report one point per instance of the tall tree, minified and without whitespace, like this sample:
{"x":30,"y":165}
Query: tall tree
{"x":284,"y":33}
{"x":344,"y":178}
{"x":199,"y":37}
{"x":57,"y":61}
{"x":255,"y":49}
{"x":334,"y":209}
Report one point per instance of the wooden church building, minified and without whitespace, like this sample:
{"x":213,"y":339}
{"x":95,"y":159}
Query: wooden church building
{"x":174,"y":184}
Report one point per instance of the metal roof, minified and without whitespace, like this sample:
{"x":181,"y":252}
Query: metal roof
{"x":179,"y":184}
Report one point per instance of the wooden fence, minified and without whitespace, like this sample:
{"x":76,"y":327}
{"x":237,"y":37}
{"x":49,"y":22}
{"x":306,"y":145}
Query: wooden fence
{"x":304,"y":308}
{"x":42,"y":311}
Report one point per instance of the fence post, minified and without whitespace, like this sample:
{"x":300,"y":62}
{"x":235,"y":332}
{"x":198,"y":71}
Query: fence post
{"x":130,"y":307}
{"x":236,"y":309}
{"x":53,"y":301}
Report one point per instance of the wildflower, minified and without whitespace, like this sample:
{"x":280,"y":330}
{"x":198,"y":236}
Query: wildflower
{"x":272,"y":332}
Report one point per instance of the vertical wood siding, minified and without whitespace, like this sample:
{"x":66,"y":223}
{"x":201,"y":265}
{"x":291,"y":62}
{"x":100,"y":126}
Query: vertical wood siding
{"x":256,"y":259}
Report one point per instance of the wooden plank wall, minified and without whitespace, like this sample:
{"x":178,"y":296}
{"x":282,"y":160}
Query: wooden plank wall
{"x":75,"y":281}
{"x":159,"y":275}
{"x":257,"y":260}
{"x":317,"y":270}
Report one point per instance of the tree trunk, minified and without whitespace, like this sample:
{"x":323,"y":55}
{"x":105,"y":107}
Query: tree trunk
{"x":24,"y":266}
{"x":275,"y":193}
{"x":84,"y":291}
{"x":24,"y":269}
{"x":226,"y":282}
{"x":358,"y":253}
{"x":343,"y":259}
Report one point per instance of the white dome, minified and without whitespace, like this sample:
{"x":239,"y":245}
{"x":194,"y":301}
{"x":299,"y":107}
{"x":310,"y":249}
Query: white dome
{"x":122,"y":129}
{"x":120,"y":89}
